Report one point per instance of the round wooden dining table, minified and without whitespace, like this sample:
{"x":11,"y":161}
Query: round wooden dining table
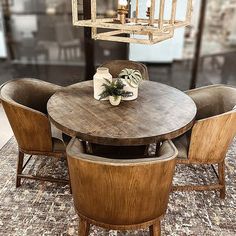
{"x":159,"y":113}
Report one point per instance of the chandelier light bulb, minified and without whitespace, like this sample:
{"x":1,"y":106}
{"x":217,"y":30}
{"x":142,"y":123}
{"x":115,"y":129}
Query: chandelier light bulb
{"x":148,"y":3}
{"x":123,"y":2}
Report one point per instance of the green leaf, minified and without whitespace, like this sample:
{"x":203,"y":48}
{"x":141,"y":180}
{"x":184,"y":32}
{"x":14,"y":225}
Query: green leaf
{"x":114,"y":88}
{"x":132,"y":77}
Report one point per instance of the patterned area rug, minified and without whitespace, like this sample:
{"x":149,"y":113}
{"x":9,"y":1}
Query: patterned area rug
{"x":39,"y":208}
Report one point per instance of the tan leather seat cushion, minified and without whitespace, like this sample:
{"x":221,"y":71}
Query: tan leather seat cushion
{"x":182,"y":144}
{"x":58,"y":145}
{"x":56,"y":133}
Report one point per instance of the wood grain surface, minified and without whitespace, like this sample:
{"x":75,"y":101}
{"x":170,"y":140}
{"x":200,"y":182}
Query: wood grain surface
{"x":160,"y":113}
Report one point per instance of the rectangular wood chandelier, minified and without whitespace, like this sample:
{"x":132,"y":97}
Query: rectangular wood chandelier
{"x":156,"y":27}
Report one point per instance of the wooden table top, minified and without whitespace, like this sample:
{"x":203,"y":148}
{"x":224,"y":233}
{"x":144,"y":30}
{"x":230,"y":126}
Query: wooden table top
{"x":160,"y":113}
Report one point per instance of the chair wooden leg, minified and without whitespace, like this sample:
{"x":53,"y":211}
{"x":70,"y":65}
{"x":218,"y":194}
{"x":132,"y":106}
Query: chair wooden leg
{"x":221,"y":172}
{"x":20,"y":162}
{"x":83,"y":228}
{"x":155,"y":230}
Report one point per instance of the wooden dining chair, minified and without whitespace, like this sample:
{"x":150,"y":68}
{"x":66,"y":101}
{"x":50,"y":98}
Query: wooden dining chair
{"x":116,"y":66}
{"x":25,"y":104}
{"x":124,"y":194}
{"x":211,"y":135}
{"x":68,"y":44}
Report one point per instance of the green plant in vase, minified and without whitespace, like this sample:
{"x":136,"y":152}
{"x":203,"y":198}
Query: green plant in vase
{"x":115,"y":91}
{"x":132,"y":79}
{"x":131,"y":76}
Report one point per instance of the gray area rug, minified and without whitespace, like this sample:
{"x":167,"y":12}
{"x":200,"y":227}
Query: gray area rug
{"x":40,"y":208}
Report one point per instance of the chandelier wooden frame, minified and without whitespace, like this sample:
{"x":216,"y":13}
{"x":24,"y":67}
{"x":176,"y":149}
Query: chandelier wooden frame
{"x":135,"y":29}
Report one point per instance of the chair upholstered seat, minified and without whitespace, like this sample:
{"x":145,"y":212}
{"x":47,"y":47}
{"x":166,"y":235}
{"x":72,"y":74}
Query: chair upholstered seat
{"x":59,"y":139}
{"x":182,"y":144}
{"x":58,"y":145}
{"x":56,"y":133}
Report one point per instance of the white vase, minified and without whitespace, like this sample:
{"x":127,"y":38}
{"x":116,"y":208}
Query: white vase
{"x":99,"y":80}
{"x":128,"y":88}
{"x":115,"y":101}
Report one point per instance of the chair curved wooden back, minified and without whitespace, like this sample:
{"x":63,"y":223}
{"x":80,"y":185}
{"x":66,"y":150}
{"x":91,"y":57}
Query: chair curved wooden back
{"x":116,"y":66}
{"x":215,"y":127}
{"x":121,"y":193}
{"x":24,"y":102}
